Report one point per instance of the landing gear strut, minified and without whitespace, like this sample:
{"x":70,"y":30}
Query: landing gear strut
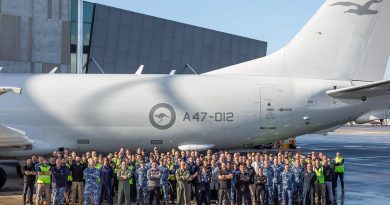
{"x":3,"y":177}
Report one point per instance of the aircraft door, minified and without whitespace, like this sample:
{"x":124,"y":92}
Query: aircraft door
{"x":268,"y":107}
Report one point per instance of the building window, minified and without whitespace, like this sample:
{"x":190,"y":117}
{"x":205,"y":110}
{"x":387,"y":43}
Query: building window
{"x":89,"y":9}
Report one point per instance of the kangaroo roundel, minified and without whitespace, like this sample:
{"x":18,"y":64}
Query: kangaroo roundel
{"x":162,"y":116}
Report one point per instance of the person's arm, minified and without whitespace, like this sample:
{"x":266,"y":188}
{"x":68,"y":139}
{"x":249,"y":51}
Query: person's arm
{"x":149,"y":175}
{"x":177,"y":176}
{"x":229,"y":176}
{"x":157,"y":175}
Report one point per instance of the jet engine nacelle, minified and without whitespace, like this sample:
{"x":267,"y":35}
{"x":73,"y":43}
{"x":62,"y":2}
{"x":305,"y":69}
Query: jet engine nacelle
{"x":372,"y":115}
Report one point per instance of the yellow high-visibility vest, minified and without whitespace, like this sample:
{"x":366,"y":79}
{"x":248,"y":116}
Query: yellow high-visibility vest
{"x":44,"y":178}
{"x":339,"y":168}
{"x":320,"y":175}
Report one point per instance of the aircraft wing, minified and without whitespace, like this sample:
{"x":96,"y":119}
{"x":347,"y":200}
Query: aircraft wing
{"x":15,"y":90}
{"x":362,"y":92}
{"x":11,"y":137}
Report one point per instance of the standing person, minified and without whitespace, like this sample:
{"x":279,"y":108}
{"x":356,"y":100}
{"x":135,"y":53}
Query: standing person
{"x":328,"y":175}
{"x":164,"y":180}
{"x":28,"y":181}
{"x":309,"y":179}
{"x":183,"y":190}
{"x":269,"y":174}
{"x":43,"y":182}
{"x":204,"y":180}
{"x":252,"y":173}
{"x":243,"y":192}
{"x":123,"y":176}
{"x":194,"y":169}
{"x":92,"y":187}
{"x":339,"y":171}
{"x":320,"y":183}
{"x":287,"y":185}
{"x":214,"y":180}
{"x":298,"y":186}
{"x":77,"y":172}
{"x":106,"y":175}
{"x":59,"y":177}
{"x":260,"y":181}
{"x":277,"y":180}
{"x":224,"y":178}
{"x":171,"y":179}
{"x":142,"y":184}
{"x":233,"y":191}
{"x":154,"y":178}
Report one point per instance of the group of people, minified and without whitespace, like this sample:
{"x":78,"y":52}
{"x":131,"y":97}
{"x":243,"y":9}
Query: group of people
{"x":183,"y":177}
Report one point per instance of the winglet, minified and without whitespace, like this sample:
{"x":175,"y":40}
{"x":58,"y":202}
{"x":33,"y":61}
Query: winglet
{"x":140,"y":69}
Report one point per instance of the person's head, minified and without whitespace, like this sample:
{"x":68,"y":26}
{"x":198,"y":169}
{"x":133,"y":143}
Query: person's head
{"x":41,"y":160}
{"x":142,"y":164}
{"x":105,"y":161}
{"x":309,"y":167}
{"x":34,"y":158}
{"x":317,"y":163}
{"x":286,"y":167}
{"x":154,"y":164}
{"x":223,"y":165}
{"x":58,"y":162}
{"x":204,"y":169}
{"x":45,"y":161}
{"x":248,"y":163}
{"x":242,"y":168}
{"x":183,"y":165}
{"x":276,"y":161}
{"x":91,"y":163}
{"x":29,"y":161}
{"x":266,"y":163}
{"x":64,"y":161}
{"x":338,"y":154}
{"x":296,"y":163}
{"x":260,"y":172}
{"x":78,"y":159}
{"x":123,"y":164}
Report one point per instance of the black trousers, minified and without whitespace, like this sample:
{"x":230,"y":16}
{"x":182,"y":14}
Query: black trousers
{"x":172,"y":193}
{"x":28,"y":187}
{"x":154,"y":192}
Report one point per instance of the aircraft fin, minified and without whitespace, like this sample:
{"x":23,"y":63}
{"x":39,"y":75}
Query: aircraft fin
{"x":362,"y":92}
{"x":344,"y":40}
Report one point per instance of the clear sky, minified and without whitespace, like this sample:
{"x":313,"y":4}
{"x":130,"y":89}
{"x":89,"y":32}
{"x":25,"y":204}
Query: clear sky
{"x":275,"y":22}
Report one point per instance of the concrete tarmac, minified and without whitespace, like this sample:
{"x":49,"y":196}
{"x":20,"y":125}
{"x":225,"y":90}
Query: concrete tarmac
{"x":367,"y":162}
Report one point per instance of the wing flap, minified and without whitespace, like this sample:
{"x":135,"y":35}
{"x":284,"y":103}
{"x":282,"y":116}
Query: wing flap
{"x":13,"y":137}
{"x":362,"y":92}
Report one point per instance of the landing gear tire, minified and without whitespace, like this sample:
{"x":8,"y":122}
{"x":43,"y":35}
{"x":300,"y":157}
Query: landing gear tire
{"x":3,"y":177}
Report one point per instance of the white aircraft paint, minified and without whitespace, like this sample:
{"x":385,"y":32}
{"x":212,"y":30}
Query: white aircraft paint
{"x":260,"y":101}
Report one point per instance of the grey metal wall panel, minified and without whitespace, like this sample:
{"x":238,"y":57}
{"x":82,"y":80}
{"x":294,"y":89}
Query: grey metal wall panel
{"x":17,"y":8}
{"x":161,"y":45}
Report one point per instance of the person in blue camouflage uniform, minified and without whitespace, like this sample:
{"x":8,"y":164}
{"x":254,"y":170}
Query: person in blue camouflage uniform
{"x":298,"y":185}
{"x":288,"y":180}
{"x":92,"y":185}
{"x":59,"y":176}
{"x":269,"y":173}
{"x":164,"y":180}
{"x":277,"y":180}
{"x":142,"y":184}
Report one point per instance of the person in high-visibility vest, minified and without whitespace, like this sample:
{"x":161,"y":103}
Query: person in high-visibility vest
{"x":339,"y":171}
{"x":320,"y":183}
{"x":43,"y":182}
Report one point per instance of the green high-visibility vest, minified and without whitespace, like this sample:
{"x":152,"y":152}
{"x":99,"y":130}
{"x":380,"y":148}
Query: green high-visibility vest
{"x":44,"y":178}
{"x":131,"y":168}
{"x":320,"y":175}
{"x":98,"y":166}
{"x":339,"y":168}
{"x":70,"y":178}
